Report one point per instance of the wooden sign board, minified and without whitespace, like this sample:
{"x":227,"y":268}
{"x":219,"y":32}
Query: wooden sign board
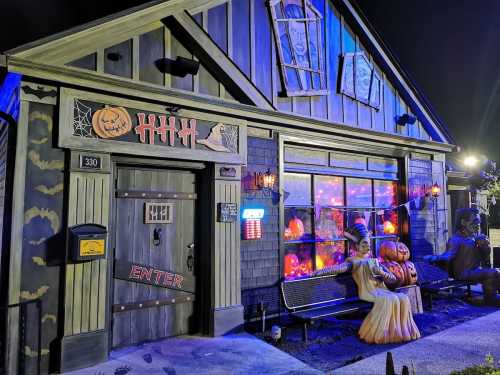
{"x":90,"y":121}
{"x":151,"y":275}
{"x":227,"y":212}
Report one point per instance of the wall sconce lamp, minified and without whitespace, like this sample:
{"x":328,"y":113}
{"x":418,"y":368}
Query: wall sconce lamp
{"x":435,"y":190}
{"x":265,"y":181}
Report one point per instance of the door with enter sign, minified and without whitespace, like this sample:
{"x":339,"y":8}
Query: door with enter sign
{"x":153,"y":275}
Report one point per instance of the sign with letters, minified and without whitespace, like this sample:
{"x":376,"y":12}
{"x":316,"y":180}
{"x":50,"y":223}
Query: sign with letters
{"x":227,"y":212}
{"x":103,"y":123}
{"x":151,"y":275}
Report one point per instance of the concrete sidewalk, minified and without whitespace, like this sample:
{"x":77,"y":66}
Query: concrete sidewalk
{"x":452,"y":349}
{"x":455,"y":348}
{"x":194,"y":355}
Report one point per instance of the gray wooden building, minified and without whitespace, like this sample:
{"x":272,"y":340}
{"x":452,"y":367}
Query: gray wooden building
{"x":131,"y":146}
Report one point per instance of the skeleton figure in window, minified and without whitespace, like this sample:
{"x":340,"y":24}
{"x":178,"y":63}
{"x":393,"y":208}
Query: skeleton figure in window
{"x":390,"y":320}
{"x":468,"y":255}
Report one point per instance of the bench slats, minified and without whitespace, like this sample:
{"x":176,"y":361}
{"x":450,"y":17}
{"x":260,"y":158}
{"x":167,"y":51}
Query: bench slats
{"x":302,"y":293}
{"x":337,"y":309}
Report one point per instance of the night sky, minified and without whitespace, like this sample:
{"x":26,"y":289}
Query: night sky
{"x":451,"y":49}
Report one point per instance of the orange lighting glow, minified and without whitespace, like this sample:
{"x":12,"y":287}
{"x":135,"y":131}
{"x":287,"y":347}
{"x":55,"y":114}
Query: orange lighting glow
{"x":435,"y":190}
{"x":389,"y":227}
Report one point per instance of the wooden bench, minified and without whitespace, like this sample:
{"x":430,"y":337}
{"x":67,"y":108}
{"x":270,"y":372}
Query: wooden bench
{"x":433,"y":280}
{"x":317,"y":297}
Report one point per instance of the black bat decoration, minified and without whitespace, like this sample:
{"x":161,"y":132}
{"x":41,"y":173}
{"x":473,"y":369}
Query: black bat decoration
{"x":39,"y":92}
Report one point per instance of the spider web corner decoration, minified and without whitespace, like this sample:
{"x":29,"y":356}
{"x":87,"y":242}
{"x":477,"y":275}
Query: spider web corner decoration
{"x":82,"y":120}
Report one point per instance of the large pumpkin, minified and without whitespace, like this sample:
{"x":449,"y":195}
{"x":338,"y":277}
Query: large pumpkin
{"x":296,"y":228}
{"x":111,"y":122}
{"x":410,"y":272}
{"x":395,"y":251}
{"x":396,"y":269}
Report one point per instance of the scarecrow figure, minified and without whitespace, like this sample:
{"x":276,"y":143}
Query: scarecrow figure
{"x":468,"y":255}
{"x":391,"y":319}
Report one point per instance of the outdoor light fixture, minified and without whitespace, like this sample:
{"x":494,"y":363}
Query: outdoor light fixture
{"x":179,"y":67}
{"x":265,"y":180}
{"x":470,"y":161}
{"x":405,"y":119}
{"x":252,"y":223}
{"x":435,"y":190}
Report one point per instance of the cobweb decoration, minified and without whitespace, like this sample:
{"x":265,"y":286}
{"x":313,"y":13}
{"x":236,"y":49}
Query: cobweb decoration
{"x":82,"y":120}
{"x":231,"y":137}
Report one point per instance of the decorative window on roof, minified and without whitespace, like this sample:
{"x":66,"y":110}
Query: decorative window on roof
{"x":298,"y":33}
{"x":359,"y":79}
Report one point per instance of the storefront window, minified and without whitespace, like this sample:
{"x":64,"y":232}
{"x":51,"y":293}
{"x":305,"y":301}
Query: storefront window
{"x":359,"y":192}
{"x":317,"y":210}
{"x":297,"y":189}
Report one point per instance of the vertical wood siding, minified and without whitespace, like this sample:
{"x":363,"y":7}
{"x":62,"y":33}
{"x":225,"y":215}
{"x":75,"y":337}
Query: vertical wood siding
{"x":43,"y":239}
{"x":227,"y":249}
{"x":243,"y":29}
{"x":85,"y":299}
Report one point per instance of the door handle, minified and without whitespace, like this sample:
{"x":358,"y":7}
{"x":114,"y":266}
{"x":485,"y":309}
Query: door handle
{"x":190,"y":257}
{"x":157,"y":236}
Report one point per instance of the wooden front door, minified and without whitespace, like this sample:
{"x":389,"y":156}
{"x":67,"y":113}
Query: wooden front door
{"x":154,"y":254}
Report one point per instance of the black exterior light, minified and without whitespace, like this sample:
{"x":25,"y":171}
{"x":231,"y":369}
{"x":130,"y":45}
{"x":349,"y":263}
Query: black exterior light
{"x":405,"y":119}
{"x":179,"y":67}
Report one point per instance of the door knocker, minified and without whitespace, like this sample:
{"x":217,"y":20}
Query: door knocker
{"x":157,"y":237}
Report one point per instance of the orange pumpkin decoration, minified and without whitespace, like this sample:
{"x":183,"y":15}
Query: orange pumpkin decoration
{"x":296,"y":228}
{"x":410,"y":272}
{"x":396,"y":269}
{"x":291,"y":264}
{"x":403,"y":252}
{"x":396,"y":251}
{"x":388,"y":250}
{"x":111,"y":122}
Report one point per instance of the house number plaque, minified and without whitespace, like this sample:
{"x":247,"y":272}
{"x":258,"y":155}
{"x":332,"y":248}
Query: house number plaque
{"x":90,"y":162}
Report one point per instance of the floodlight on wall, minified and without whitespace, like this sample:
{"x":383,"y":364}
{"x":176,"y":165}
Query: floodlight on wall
{"x":114,"y":56}
{"x":405,"y":119}
{"x":179,"y":67}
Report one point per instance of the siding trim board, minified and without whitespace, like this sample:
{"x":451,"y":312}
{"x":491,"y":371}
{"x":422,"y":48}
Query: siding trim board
{"x":145,"y":91}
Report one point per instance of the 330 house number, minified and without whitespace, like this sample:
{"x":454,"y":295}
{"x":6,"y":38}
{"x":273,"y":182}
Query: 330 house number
{"x":90,"y":162}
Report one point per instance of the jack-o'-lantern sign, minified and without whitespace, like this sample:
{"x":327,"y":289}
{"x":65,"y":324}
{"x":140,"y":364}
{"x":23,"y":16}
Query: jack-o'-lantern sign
{"x":410,"y":272}
{"x":288,"y":234}
{"x":396,"y":251}
{"x":111,"y":122}
{"x":296,"y":228}
{"x":396,"y":269}
{"x":291,"y":264}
